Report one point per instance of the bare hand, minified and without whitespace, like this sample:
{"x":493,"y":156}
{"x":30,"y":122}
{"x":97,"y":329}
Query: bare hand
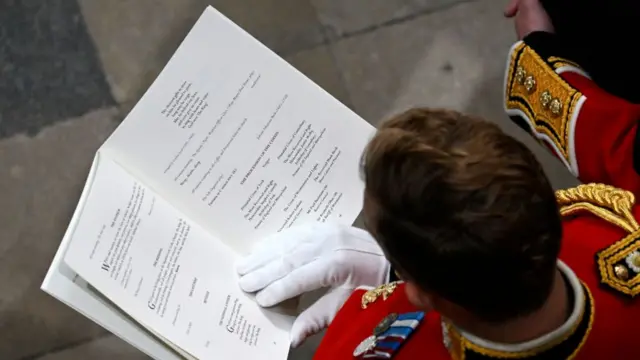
{"x":530,"y":17}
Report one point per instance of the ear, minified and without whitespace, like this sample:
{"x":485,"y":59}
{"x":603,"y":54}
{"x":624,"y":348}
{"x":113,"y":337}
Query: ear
{"x":418,"y":297}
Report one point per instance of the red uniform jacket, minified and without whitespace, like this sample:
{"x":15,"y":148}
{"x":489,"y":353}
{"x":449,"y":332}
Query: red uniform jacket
{"x":592,"y":132}
{"x":600,"y":259}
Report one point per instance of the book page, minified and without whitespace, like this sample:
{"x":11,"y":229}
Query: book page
{"x":68,"y":287}
{"x":167,"y":273}
{"x":240,"y":141}
{"x":103,"y":312}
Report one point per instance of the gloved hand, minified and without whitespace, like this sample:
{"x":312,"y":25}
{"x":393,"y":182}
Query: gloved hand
{"x":309,"y":257}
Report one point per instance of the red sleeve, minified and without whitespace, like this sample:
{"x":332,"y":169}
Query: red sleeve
{"x":592,"y":132}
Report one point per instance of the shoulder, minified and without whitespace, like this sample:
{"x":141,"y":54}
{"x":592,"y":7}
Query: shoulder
{"x":601,"y":240}
{"x":600,"y":244}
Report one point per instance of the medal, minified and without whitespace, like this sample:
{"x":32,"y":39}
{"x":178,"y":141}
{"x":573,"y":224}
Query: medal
{"x":388,"y":336}
{"x":366,"y":345}
{"x":385,"y":324}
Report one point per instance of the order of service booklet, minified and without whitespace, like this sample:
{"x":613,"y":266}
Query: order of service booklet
{"x":229,"y":144}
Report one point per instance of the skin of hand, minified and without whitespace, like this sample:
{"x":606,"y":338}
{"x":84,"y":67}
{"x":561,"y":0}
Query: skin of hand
{"x":529,"y":16}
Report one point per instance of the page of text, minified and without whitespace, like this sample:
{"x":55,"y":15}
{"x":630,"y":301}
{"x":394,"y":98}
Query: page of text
{"x":240,"y":141}
{"x":168,"y":273}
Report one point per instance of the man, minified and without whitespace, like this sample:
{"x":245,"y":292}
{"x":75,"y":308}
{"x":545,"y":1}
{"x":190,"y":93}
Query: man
{"x":550,"y":95}
{"x":467,"y":217}
{"x":491,"y":269}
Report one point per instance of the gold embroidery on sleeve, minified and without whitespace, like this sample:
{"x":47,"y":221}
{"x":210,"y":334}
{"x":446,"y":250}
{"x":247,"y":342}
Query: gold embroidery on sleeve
{"x":543,"y":96}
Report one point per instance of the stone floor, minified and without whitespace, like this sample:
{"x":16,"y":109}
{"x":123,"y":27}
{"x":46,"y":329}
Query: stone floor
{"x":71,"y":69}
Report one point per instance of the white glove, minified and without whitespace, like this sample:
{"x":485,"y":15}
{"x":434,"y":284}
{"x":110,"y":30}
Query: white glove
{"x":310,"y":257}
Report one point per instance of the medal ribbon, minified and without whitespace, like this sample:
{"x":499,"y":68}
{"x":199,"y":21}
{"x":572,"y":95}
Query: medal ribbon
{"x":388,"y":342}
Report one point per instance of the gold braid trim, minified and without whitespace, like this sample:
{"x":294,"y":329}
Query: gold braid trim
{"x":607,"y":202}
{"x":614,"y":206}
{"x":613,"y":269}
{"x":559,"y":62}
{"x":459,"y":345}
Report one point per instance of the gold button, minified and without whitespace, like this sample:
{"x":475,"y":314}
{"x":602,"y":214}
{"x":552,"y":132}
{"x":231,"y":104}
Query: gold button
{"x":530,"y":83}
{"x":621,"y":272}
{"x":520,"y":75}
{"x":556,"y":107}
{"x":545,"y":99}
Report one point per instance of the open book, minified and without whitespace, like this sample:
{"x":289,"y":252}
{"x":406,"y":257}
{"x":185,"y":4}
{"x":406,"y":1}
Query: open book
{"x":230,"y":144}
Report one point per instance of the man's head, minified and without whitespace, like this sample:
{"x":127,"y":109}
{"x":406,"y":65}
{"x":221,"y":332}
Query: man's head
{"x":464,"y":212}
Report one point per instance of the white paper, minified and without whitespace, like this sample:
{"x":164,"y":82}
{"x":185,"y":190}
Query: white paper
{"x":233,"y":144}
{"x":65,"y":285}
{"x":168,"y":273}
{"x":240,"y":141}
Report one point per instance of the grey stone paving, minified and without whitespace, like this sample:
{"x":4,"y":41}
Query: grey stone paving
{"x":69,"y":72}
{"x":49,"y":71}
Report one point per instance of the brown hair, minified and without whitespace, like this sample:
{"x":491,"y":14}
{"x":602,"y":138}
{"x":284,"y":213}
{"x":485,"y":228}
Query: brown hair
{"x":463,"y":210}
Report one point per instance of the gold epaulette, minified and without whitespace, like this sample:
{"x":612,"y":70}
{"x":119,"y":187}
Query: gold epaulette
{"x":618,"y":264}
{"x":535,"y":92}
